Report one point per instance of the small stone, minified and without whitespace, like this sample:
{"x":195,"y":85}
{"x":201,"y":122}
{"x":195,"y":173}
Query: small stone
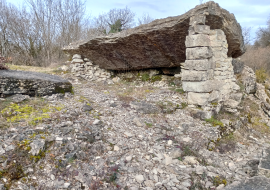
{"x":52,"y":177}
{"x":2,"y":151}
{"x":167,"y":160}
{"x":176,"y":153}
{"x":199,"y":170}
{"x":76,"y":56}
{"x":116,"y":148}
{"x":186,"y":183}
{"x":220,"y":187}
{"x":170,"y":142}
{"x":190,"y":160}
{"x":87,"y":107}
{"x":10,"y":147}
{"x":58,"y":138}
{"x":149,"y":183}
{"x":128,"y":158}
{"x":36,"y":146}
{"x":187,"y":139}
{"x":232,"y":166}
{"x":139,"y":178}
{"x":128,"y":134}
{"x":96,"y":122}
{"x":66,"y":185}
{"x":137,"y":122}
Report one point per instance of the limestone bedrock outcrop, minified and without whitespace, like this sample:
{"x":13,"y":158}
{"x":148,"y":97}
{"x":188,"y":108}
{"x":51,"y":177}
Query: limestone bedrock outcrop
{"x":160,"y":43}
{"x":31,"y":83}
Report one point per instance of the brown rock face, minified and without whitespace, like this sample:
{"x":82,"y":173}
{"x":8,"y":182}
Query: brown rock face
{"x":160,"y":43}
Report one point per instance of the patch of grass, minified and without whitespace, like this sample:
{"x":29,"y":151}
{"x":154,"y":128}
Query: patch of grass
{"x":214,"y":122}
{"x":241,"y":85}
{"x":184,"y":105}
{"x":148,"y":124}
{"x":156,"y":78}
{"x":260,"y":126}
{"x":145,"y":77}
{"x":179,"y":90}
{"x":31,"y":68}
{"x":188,"y":151}
{"x":214,"y":103}
{"x":261,"y":75}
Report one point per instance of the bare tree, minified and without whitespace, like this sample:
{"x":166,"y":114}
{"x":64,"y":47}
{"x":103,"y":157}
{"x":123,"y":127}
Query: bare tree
{"x":37,"y":32}
{"x":126,"y":16}
{"x":106,"y":21}
{"x":263,"y":35}
{"x":246,"y":35}
{"x":145,"y":19}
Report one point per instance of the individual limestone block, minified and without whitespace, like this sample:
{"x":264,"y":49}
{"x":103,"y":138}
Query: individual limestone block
{"x":198,"y":98}
{"x":218,"y":38}
{"x":76,"y":56}
{"x":190,"y":75}
{"x":199,"y":65}
{"x":198,"y":40}
{"x":202,"y":86}
{"x":198,"y":53}
{"x":77,"y":61}
{"x":201,"y":29}
{"x":197,"y":20}
{"x":226,"y":64}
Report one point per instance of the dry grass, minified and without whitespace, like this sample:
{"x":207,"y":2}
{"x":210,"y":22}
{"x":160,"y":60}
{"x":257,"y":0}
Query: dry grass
{"x":32,"y":68}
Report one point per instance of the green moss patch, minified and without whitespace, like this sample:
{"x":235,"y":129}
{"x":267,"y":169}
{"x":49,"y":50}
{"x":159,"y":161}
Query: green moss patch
{"x":34,"y":112}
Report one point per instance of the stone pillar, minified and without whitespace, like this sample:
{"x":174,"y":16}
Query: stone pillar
{"x":207,"y":74}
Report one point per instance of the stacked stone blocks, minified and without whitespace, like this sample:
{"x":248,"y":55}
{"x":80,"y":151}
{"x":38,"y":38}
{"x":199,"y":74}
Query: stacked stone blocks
{"x":207,"y":73}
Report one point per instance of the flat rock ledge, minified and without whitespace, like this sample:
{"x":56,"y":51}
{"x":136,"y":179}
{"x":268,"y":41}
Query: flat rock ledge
{"x":31,"y":83}
{"x":160,"y":43}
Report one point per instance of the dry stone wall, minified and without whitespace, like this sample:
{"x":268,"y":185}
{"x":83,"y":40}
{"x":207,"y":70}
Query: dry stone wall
{"x":85,"y":68}
{"x":31,"y":83}
{"x":207,"y":73}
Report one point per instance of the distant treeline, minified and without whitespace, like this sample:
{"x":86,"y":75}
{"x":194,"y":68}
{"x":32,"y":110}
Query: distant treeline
{"x":35,"y":33}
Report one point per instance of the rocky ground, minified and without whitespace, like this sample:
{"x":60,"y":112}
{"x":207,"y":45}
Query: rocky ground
{"x":127,"y":135}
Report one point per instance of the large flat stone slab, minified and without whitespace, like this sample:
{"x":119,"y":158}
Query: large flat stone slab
{"x":31,"y":83}
{"x":160,"y":43}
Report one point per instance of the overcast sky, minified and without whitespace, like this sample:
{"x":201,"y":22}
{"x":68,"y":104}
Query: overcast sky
{"x":249,"y":13}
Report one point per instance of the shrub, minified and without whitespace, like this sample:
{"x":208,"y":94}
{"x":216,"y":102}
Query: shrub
{"x":3,"y":67}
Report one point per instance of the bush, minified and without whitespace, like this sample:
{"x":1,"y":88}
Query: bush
{"x":3,"y":67}
{"x":2,"y":61}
